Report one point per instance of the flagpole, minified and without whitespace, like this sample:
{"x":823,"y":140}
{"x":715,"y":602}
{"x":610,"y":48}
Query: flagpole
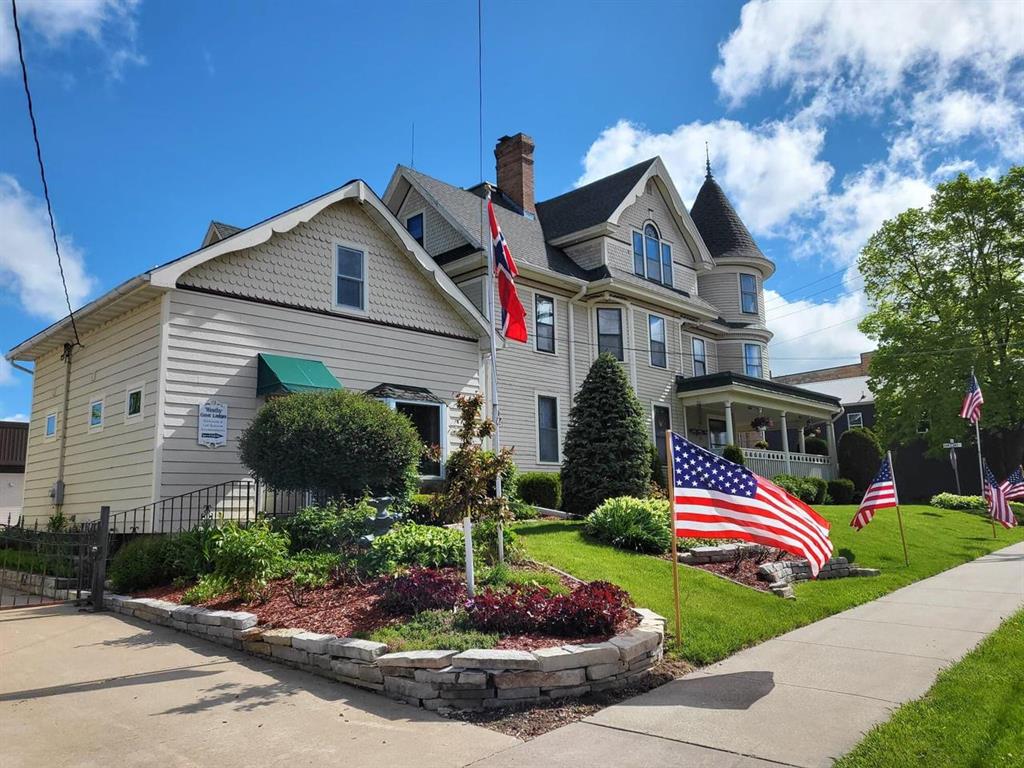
{"x":899,"y":514}
{"x":670,"y":489}
{"x":492,"y":275}
{"x":981,"y":470}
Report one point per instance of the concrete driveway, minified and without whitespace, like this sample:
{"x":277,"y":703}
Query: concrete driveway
{"x":83,"y":690}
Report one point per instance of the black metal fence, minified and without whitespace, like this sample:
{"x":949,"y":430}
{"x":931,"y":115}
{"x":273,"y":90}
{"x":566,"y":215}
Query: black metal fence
{"x":46,"y":566}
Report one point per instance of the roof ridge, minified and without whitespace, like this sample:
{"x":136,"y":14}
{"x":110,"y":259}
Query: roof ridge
{"x":645,"y":164}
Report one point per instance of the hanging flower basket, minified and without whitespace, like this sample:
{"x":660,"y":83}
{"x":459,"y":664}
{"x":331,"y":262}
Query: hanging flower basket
{"x":761,"y":422}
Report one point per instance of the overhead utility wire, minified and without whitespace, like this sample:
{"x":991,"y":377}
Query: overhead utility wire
{"x":42,"y":170}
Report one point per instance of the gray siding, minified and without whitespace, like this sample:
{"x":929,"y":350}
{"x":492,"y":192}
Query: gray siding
{"x":731,"y":352}
{"x":438,"y":235}
{"x":721,"y":287}
{"x":589,"y":254}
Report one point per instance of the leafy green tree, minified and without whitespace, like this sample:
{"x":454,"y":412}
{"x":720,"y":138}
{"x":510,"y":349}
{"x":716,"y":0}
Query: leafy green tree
{"x":606,"y":445}
{"x":859,"y":454}
{"x":947,"y":286}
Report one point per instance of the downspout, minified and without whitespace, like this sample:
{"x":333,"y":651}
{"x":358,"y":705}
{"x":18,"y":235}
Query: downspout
{"x":58,"y":487}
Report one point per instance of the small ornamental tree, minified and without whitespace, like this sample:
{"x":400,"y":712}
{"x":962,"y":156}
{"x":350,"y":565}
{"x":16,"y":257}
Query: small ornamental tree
{"x":859,"y":457}
{"x":342,"y":444}
{"x":606,"y":444}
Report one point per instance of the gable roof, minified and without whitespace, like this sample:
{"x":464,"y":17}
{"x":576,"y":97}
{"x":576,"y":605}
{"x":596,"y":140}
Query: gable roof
{"x":721,"y":227}
{"x":218,"y":230}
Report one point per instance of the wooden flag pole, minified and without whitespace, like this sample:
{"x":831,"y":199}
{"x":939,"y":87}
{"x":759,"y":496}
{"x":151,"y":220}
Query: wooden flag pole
{"x":670,"y":490}
{"x":899,"y":514}
{"x":981,"y":461}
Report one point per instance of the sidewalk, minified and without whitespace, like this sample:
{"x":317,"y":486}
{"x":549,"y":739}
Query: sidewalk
{"x":802,"y":699}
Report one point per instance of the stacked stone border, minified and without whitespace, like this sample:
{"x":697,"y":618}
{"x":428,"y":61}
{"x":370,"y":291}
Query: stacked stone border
{"x":780,"y":574}
{"x":472,"y":680}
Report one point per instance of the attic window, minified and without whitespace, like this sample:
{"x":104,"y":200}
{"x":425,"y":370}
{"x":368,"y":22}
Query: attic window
{"x":652,"y":258}
{"x":415,"y":226}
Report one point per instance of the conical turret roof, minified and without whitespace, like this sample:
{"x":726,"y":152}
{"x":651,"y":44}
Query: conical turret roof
{"x":719,"y":225}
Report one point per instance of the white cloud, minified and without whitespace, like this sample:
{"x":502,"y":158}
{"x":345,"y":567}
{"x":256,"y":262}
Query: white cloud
{"x":16,"y":417}
{"x":28,"y":265}
{"x":803,"y":321}
{"x":6,"y":372}
{"x":770,"y":172}
{"x":950,"y":117}
{"x":866,"y":47}
{"x":109,"y":24}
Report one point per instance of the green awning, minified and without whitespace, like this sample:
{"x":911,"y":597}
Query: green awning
{"x":279,"y":375}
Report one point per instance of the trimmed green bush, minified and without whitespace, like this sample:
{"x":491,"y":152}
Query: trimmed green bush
{"x":820,"y":489}
{"x":641,"y":525}
{"x":249,"y":557}
{"x":541,"y":488}
{"x":606,"y":443}
{"x":141,"y":564}
{"x":341,"y":443}
{"x":733,"y":453}
{"x":429,"y":546}
{"x":189,"y":555}
{"x":326,"y":528}
{"x":841,"y":490}
{"x":816,"y":446}
{"x":953,"y":501}
{"x":859,"y":457}
{"x":801,"y":487}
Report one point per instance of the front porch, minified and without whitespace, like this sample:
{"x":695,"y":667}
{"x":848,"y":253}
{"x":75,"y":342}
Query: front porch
{"x":728,"y":408}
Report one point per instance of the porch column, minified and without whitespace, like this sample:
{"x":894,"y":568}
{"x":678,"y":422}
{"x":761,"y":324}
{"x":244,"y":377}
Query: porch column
{"x":785,"y":443}
{"x":803,"y":440}
{"x":728,"y":423}
{"x":830,"y":433}
{"x":686,"y":429}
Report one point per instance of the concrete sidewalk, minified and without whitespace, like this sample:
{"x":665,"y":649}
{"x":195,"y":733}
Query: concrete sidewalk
{"x":802,"y":699}
{"x":83,"y":690}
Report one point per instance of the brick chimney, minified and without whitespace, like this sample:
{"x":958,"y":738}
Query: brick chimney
{"x":514,"y":159}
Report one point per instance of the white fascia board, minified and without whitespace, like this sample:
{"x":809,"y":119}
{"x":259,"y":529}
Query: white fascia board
{"x":742,"y":395}
{"x":611,"y":285}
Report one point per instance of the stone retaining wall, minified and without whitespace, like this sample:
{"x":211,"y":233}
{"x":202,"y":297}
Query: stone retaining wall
{"x":57,"y":587}
{"x":444,"y":679}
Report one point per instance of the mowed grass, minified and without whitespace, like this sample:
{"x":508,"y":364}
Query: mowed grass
{"x":972,"y":716}
{"x":720,"y":617}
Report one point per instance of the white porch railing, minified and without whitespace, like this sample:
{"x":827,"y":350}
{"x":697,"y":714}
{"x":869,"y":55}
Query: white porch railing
{"x":771,"y":463}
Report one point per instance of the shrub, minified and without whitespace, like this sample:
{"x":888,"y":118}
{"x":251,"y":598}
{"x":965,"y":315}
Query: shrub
{"x":641,"y":525}
{"x":248,"y":557}
{"x":421,"y":589}
{"x":859,"y":457}
{"x":733,"y":453}
{"x":326,"y":528}
{"x":209,"y":587}
{"x":190,"y":554}
{"x":606,"y":443}
{"x":424,"y":509}
{"x":431,"y":630}
{"x":762,"y":445}
{"x":816,"y":446}
{"x":543,"y":489}
{"x":485,"y":542}
{"x":311,"y":570}
{"x":413,"y":544}
{"x":342,"y":443}
{"x":140,"y":564}
{"x":798,"y":486}
{"x":503,"y":576}
{"x":820,"y":489}
{"x":953,"y":501}
{"x":515,"y":610}
{"x":841,"y":490}
{"x":590,"y":609}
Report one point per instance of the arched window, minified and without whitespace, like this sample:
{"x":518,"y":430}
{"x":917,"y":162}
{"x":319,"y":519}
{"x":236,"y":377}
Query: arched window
{"x":652,"y":258}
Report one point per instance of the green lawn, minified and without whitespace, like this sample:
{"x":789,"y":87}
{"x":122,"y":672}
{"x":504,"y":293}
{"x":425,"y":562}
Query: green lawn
{"x":719,"y":617}
{"x":972,"y":716}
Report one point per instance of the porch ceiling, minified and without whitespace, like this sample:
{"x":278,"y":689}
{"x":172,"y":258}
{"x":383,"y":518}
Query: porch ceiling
{"x":759,"y":393}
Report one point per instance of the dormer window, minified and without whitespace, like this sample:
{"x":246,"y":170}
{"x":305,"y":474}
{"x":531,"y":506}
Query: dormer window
{"x":415,"y":226}
{"x":652,"y":258}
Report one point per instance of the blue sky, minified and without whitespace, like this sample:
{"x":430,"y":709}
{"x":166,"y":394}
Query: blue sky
{"x":823,"y":120}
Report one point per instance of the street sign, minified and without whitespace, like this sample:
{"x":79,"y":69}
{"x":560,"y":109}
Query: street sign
{"x":952,"y":444}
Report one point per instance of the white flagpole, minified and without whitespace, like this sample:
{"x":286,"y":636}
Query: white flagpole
{"x":492,"y":310}
{"x":981,"y":461}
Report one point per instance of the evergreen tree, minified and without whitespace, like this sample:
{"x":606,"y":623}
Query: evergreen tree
{"x":859,"y":455}
{"x":606,"y":445}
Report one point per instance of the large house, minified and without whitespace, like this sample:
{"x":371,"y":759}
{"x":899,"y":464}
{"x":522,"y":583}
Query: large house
{"x":387,"y":296}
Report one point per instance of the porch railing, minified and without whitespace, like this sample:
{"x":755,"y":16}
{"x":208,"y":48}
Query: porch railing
{"x":771,"y":463}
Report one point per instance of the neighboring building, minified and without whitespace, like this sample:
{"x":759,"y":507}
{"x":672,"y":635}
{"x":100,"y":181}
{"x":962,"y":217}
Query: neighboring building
{"x":13,"y":443}
{"x":919,"y":477}
{"x":386,"y":296}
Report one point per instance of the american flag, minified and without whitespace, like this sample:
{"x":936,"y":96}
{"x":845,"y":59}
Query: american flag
{"x":513,"y":316}
{"x":971,"y":409}
{"x":717,"y":499}
{"x":881,"y":494}
{"x":998,"y":504}
{"x":1013,"y":486}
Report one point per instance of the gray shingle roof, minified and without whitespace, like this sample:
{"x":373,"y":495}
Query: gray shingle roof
{"x":590,"y":204}
{"x":719,"y":225}
{"x":224,"y":230}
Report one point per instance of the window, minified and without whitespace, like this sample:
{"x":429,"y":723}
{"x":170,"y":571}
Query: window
{"x":96,"y":414}
{"x":544,"y":317}
{"x":51,"y":424}
{"x":700,"y":357}
{"x":662,"y":424}
{"x":351,"y":278}
{"x":656,"y":330}
{"x":717,"y":434}
{"x":609,"y":332}
{"x":651,"y":257}
{"x":854,"y":419}
{"x":426,"y":418}
{"x":752,"y":361}
{"x":415,"y":226}
{"x":748,"y":294}
{"x":133,"y":404}
{"x":547,"y":429}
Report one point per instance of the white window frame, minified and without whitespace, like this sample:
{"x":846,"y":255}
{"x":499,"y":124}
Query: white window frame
{"x":56,"y":425}
{"x":413,"y":215}
{"x":760,"y":360}
{"x":131,"y":418}
{"x":345,"y":308}
{"x":103,"y":413}
{"x":554,"y":324}
{"x":392,"y":403}
{"x":739,"y":287}
{"x":623,"y":319}
{"x":849,"y":419}
{"x":654,"y":424}
{"x":693,"y":355}
{"x":650,"y":341}
{"x":537,"y":395}
{"x":669,"y":283}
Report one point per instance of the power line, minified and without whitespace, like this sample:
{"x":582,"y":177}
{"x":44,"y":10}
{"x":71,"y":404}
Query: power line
{"x":42,"y":170}
{"x":819,"y":330}
{"x":799,"y":288}
{"x":843,"y":295}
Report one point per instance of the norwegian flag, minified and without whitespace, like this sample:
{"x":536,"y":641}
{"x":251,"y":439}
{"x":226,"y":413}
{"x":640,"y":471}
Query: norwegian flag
{"x":998,"y":504}
{"x":513,"y":316}
{"x":971,"y":409}
{"x":1013,"y":486}
{"x":881,"y":494}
